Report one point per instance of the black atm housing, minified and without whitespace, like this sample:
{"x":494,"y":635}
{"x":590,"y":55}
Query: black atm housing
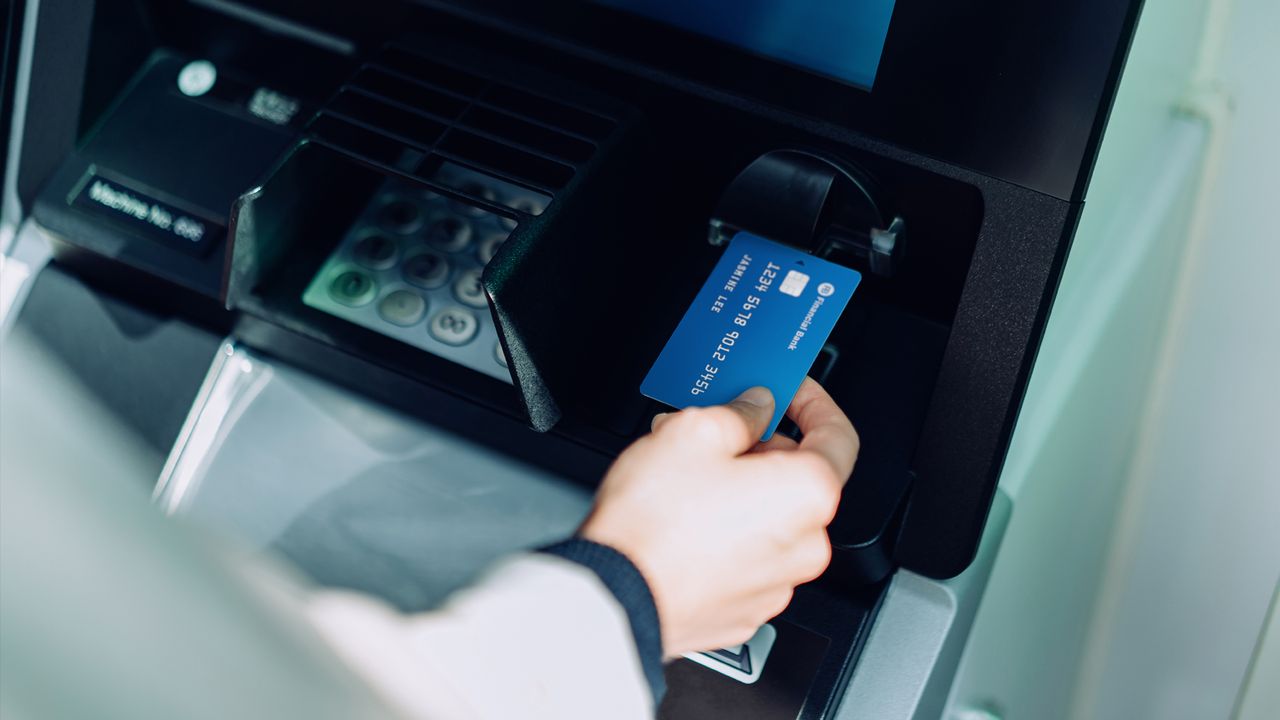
{"x":980,"y":132}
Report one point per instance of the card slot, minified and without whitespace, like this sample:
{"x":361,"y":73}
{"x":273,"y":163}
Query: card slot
{"x":363,"y":142}
{"x":516,"y":196}
{"x":431,"y":72}
{"x":531,"y":135}
{"x":550,"y":112}
{"x":414,"y":127}
{"x":541,"y":172}
{"x":409,"y":92}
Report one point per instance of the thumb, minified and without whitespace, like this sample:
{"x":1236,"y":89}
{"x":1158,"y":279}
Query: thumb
{"x":732,"y":428}
{"x":755,"y":407}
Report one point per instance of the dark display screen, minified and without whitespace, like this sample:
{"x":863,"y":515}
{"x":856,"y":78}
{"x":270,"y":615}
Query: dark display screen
{"x":842,"y":39}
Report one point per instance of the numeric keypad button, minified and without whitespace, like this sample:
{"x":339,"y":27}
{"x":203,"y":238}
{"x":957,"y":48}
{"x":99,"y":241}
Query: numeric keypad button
{"x":402,"y":307}
{"x":479,"y":190}
{"x":353,"y":288}
{"x":427,"y":270}
{"x":451,"y":234}
{"x":454,"y":326}
{"x":529,"y":206}
{"x":376,"y":251}
{"x":488,"y":246}
{"x":400,"y":216}
{"x":469,"y":290}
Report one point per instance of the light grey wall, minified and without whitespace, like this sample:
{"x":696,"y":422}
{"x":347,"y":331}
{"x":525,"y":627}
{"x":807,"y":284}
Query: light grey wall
{"x":1074,"y":446}
{"x":1260,"y":698}
{"x":1145,"y":538}
{"x":1198,"y":550}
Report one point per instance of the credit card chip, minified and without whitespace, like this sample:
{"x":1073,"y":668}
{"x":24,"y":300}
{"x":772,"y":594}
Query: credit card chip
{"x":794,"y":283}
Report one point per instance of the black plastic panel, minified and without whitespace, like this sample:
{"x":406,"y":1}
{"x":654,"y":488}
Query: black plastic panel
{"x":179,"y":157}
{"x":1013,"y":89}
{"x":933,"y":360}
{"x":981,"y":384}
{"x":980,"y":134}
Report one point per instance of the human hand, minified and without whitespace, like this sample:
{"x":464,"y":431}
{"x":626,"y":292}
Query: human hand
{"x":723,"y":527}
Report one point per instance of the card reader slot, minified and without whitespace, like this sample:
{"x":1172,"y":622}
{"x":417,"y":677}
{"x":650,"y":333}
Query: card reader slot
{"x":538,"y":171}
{"x":415,"y":128}
{"x":438,"y":169}
{"x":396,"y":104}
{"x":551,"y":112}
{"x":366,"y":143}
{"x":530,"y":135}
{"x":424,"y":70}
{"x":409,"y":95}
{"x":464,"y":179}
{"x":408,"y":92}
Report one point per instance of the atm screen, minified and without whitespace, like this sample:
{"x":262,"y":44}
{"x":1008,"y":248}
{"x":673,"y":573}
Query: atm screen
{"x":842,"y":39}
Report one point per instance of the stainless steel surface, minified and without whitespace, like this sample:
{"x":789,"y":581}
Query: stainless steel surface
{"x":234,"y":379}
{"x":913,"y":652}
{"x":352,"y":493}
{"x":358,"y":496}
{"x":52,"y":426}
{"x":10,"y":204}
{"x":20,"y":264}
{"x":109,"y":611}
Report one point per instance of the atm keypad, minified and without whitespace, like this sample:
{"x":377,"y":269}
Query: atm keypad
{"x":376,"y":251}
{"x":402,"y":307}
{"x":409,"y":267}
{"x":352,"y":288}
{"x":480,"y":190}
{"x":468,"y":290}
{"x":489,"y":244}
{"x":450,"y":233}
{"x":454,"y":325}
{"x":400,"y":216}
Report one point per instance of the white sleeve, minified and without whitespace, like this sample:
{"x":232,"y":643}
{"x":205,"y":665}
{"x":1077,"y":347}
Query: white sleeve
{"x":538,"y":637}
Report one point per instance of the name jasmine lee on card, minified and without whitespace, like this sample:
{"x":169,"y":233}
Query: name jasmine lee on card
{"x":762,"y":284}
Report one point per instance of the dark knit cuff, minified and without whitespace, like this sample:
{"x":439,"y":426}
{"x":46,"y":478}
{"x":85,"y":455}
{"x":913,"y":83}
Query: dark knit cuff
{"x":629,"y":587}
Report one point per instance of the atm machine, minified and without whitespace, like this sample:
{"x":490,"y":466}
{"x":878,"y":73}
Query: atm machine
{"x":489,"y":215}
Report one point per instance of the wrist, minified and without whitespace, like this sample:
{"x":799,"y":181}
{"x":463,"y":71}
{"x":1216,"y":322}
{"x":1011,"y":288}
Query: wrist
{"x":631,"y":590}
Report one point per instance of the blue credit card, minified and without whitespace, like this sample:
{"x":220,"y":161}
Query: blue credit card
{"x":761,"y":318}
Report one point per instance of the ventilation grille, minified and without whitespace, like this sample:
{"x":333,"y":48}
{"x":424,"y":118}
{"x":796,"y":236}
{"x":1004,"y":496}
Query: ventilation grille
{"x":421,"y":117}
